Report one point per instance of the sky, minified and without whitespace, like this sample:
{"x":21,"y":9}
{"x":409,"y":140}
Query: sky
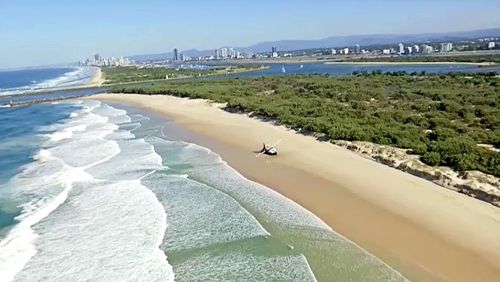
{"x":35,"y":32}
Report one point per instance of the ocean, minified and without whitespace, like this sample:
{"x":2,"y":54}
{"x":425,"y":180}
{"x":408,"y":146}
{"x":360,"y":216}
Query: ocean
{"x":91,"y":191}
{"x":19,"y":81}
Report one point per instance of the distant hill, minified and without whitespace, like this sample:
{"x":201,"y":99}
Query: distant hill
{"x":366,"y":40}
{"x":337,"y":41}
{"x":169,"y":55}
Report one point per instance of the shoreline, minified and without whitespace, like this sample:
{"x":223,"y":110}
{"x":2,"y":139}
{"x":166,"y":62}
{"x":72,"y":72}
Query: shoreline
{"x":410,"y":63}
{"x":97,"y":79}
{"x":423,"y":231}
{"x":328,"y":61}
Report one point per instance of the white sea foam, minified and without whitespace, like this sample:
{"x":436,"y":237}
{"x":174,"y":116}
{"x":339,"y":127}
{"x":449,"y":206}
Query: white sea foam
{"x":66,"y":132}
{"x":106,"y":232}
{"x":42,"y":155}
{"x":244,"y":266}
{"x":139,"y":160}
{"x":274,"y":210}
{"x":47,"y":183}
{"x":263,"y":200}
{"x":214,"y":171}
{"x":78,"y":76}
{"x":200,"y":216}
{"x":72,"y":218}
{"x":107,"y":191}
{"x":199,"y":211}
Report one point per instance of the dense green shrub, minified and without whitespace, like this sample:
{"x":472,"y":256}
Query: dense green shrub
{"x":440,"y":117}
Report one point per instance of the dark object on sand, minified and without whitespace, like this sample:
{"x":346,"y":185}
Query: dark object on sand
{"x":268,"y":150}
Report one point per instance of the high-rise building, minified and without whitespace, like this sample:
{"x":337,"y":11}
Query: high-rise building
{"x":426,"y":49}
{"x":274,"y":52}
{"x":176,"y":55}
{"x":416,"y":48}
{"x":97,"y":59}
{"x":334,"y":52}
{"x":357,"y":49}
{"x":232,"y":53}
{"x":227,"y":53}
{"x":491,"y":45}
{"x":446,"y":47}
{"x":401,"y":48}
{"x":224,"y":52}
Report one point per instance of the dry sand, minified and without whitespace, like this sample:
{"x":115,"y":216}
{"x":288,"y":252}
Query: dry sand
{"x":97,"y":79}
{"x":426,"y":232}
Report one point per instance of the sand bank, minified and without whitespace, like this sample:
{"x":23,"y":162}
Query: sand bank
{"x":422,"y":230}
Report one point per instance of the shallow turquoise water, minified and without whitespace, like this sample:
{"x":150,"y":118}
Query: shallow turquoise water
{"x":88,"y":182}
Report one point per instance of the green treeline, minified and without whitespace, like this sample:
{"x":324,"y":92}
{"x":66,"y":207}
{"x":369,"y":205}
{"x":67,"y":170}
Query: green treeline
{"x":442,"y":118}
{"x":114,"y":75}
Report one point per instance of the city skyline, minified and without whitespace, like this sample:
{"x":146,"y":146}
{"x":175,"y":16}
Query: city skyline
{"x":34,"y":33}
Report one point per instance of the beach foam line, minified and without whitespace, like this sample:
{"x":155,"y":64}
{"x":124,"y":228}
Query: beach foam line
{"x":318,"y":223}
{"x":18,"y":249}
{"x":18,"y":246}
{"x":79,"y":76}
{"x":108,"y":201}
{"x":248,"y":225}
{"x":314,"y":221}
{"x":119,"y":224}
{"x":206,"y":160}
{"x":66,"y":133}
{"x":302,"y":265}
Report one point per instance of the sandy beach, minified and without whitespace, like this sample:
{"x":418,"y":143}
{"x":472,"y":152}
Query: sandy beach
{"x":424,"y":231}
{"x":97,"y":79}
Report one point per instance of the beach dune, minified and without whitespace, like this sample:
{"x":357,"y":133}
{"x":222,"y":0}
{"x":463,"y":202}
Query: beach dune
{"x":426,"y":232}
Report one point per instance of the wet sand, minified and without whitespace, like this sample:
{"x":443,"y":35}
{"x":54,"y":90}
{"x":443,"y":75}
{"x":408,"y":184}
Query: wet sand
{"x":426,"y":232}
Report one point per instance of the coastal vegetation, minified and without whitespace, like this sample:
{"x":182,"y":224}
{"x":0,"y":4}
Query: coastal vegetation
{"x":491,"y":58}
{"x":116,"y":75}
{"x":448,"y":120}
